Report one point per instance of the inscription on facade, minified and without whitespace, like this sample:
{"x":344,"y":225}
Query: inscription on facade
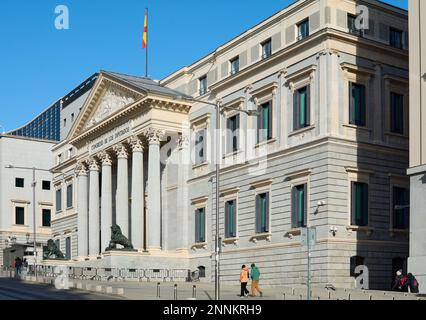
{"x":111,"y":138}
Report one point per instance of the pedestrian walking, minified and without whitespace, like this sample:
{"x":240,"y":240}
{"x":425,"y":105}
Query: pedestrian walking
{"x":255,"y":278}
{"x":413,"y":284}
{"x":244,"y":278}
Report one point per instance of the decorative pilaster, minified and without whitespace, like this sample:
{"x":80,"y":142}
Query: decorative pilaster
{"x":106,"y":200}
{"x":182,"y":194}
{"x":94,"y":218}
{"x":138,"y":194}
{"x":122,"y":198}
{"x":83,"y":210}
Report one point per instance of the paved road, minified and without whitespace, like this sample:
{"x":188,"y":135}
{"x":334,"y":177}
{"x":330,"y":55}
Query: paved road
{"x":16,"y":290}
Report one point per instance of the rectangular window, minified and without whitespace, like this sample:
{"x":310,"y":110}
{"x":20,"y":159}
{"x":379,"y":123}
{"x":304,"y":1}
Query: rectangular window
{"x":233,"y":127}
{"x":401,"y":210}
{"x":59,"y":200}
{"x":231,"y":219}
{"x":359,"y":204}
{"x":299,"y":206}
{"x":395,"y":38}
{"x":264,"y":122}
{"x":357,"y":105}
{"x":235,"y":65}
{"x":301,"y":112}
{"x":203,"y":85}
{"x":397,"y":113}
{"x":69,"y":196}
{"x":45,"y":185}
{"x":200,"y":146}
{"x":200,"y":225}
{"x":266,"y":49}
{"x":262,"y":213}
{"x":46,"y":217}
{"x":65,"y":123}
{"x":303,"y":30}
{"x":19,"y":182}
{"x":20,"y":216}
{"x":352,"y":25}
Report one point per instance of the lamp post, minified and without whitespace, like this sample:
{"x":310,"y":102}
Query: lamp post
{"x":218,"y":108}
{"x":33,"y":185}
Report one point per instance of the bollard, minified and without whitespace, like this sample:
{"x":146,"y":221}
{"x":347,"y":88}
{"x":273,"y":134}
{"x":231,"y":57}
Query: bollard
{"x":158,"y":290}
{"x":194,"y":292}
{"x":175,"y":292}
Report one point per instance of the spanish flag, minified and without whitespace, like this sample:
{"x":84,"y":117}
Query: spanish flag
{"x":145,"y":31}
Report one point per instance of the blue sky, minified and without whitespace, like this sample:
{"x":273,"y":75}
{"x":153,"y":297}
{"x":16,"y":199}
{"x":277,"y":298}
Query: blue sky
{"x":39,"y":64}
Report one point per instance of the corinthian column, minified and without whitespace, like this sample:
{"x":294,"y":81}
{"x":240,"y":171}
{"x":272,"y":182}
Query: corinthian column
{"x":106,"y":200}
{"x":138,"y":195}
{"x":122,"y":198}
{"x":94,"y":208}
{"x":154,"y":190}
{"x":82,"y":210}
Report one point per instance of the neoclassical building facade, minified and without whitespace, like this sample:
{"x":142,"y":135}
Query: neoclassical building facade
{"x":327,"y":149}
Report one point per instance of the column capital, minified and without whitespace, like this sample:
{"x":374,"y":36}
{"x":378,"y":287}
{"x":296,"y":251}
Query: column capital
{"x":80,"y":169}
{"x":93,"y":164}
{"x":105,"y":158}
{"x":121,"y":151}
{"x":136,"y":144}
{"x":154,"y":136}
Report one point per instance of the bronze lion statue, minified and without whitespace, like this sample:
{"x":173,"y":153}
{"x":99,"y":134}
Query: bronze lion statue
{"x":117,"y":237}
{"x":52,"y":251}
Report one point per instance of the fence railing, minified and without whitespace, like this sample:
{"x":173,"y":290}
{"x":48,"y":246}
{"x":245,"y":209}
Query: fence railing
{"x":111,"y":274}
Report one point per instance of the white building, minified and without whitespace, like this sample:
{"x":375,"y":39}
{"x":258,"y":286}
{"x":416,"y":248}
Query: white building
{"x":16,"y":194}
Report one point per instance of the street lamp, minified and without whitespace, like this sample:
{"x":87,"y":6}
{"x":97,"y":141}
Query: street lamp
{"x":33,"y":185}
{"x":218,"y":107}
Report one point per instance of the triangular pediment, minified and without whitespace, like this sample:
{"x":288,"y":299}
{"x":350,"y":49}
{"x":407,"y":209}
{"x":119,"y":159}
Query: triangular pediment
{"x":106,"y":99}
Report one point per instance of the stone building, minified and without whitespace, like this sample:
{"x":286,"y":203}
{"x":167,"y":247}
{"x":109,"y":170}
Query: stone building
{"x":417,"y":171}
{"x":328,"y":149}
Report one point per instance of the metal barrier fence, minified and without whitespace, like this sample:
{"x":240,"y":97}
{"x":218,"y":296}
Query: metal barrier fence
{"x":113,"y":274}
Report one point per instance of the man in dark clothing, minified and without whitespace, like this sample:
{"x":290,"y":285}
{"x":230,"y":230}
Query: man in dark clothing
{"x":413,"y":283}
{"x":18,"y":265}
{"x":401,"y":282}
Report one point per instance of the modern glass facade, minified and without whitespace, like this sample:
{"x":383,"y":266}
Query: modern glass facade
{"x":46,"y":126}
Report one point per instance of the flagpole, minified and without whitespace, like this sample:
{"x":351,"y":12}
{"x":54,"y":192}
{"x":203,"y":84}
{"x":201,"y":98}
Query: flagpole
{"x":146,"y":66}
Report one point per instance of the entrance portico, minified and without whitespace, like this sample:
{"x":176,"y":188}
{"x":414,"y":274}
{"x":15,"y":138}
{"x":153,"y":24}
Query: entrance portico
{"x":118,"y":136}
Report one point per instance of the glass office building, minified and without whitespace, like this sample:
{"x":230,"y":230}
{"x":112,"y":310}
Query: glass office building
{"x":47,"y":125}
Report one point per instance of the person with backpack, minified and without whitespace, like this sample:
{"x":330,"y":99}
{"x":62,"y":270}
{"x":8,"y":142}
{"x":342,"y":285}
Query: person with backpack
{"x":244,"y":278}
{"x":401,"y":282}
{"x":413,"y":284}
{"x":255,"y":277}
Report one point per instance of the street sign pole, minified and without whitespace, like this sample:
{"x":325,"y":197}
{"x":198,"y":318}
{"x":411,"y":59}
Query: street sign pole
{"x":308,"y":242}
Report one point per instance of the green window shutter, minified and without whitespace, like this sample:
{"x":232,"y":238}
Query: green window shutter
{"x":229,"y":134}
{"x":203,"y":226}
{"x":353,"y":204}
{"x":197,"y":225}
{"x":234,"y":220}
{"x":296,"y":109}
{"x":269,"y":125}
{"x":397,"y":113}
{"x":305,"y":205}
{"x":258,"y":214}
{"x":308,"y":107}
{"x":236,"y":142}
{"x":363,"y":106}
{"x":294,"y":207}
{"x":266,"y":213}
{"x":365,"y":204}
{"x":227,"y":218}
{"x":351,"y":104}
{"x":259,"y":125}
{"x":302,"y":108}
